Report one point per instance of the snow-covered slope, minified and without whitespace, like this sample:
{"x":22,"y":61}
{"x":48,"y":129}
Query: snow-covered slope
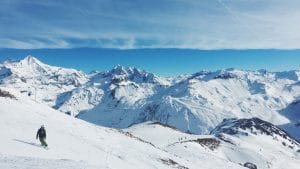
{"x":259,"y":142}
{"x":240,"y":141}
{"x":73,"y":143}
{"x":201,"y":101}
{"x":292,"y":112}
{"x":105,"y":89}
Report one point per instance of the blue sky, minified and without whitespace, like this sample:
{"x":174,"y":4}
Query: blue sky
{"x":165,"y":62}
{"x":129,"y":24}
{"x":167,"y":37}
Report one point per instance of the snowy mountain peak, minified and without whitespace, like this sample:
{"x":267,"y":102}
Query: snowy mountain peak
{"x":121,"y":73}
{"x":225,"y":74}
{"x":30,"y":60}
{"x":38,"y":80}
{"x":119,"y":69}
{"x":29,"y":66}
{"x":122,"y":70}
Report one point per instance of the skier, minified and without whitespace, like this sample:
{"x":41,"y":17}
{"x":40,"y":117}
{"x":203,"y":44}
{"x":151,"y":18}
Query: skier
{"x":41,"y":133}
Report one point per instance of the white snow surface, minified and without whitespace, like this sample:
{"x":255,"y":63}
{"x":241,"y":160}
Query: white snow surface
{"x":76,"y":144}
{"x":73,"y":143}
{"x":260,"y":149}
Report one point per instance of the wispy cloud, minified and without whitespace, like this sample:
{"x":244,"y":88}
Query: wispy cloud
{"x":208,"y":24}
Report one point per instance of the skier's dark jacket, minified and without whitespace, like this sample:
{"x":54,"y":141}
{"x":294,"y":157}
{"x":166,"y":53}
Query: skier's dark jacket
{"x":41,"y":133}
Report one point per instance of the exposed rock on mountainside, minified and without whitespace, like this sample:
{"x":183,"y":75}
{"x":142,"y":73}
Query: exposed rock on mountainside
{"x":254,"y":126}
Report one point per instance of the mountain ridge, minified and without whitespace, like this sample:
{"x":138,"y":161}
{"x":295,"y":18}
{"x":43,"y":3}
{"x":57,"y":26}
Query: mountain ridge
{"x":125,"y":96}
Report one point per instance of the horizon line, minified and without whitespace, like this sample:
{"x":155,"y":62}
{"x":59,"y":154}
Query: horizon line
{"x":162,"y":61}
{"x":158,"y":48}
{"x":171,"y":76}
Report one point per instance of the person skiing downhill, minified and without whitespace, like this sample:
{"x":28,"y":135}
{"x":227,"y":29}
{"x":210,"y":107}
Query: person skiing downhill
{"x":41,"y":134}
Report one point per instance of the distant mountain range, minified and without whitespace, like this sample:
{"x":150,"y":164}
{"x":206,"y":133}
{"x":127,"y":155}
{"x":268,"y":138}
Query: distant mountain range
{"x":125,"y":96}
